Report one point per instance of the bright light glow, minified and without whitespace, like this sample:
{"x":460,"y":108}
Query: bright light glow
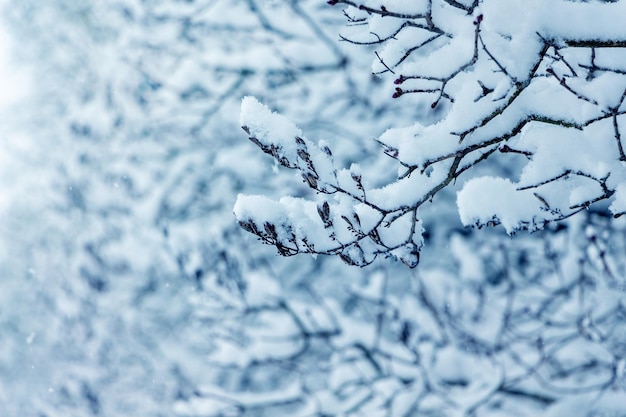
{"x":13,"y":84}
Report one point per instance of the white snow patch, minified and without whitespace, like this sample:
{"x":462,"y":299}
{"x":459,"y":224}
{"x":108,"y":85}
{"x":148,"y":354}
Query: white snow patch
{"x":487,"y":199}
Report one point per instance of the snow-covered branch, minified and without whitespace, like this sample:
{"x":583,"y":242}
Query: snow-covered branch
{"x":543,"y":81}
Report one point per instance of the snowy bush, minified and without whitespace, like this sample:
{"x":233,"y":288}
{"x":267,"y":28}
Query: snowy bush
{"x":128,"y":288}
{"x":544,"y":81}
{"x":524,"y":327}
{"x":121,"y":171}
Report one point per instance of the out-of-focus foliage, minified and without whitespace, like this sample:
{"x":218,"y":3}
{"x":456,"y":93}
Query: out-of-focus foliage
{"x":125,"y":165}
{"x":128,"y":288}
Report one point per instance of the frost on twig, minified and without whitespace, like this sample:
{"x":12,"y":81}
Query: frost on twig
{"x":540,"y":81}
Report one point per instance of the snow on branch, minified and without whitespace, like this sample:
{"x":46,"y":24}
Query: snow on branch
{"x":346,"y":222}
{"x":542,"y":80}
